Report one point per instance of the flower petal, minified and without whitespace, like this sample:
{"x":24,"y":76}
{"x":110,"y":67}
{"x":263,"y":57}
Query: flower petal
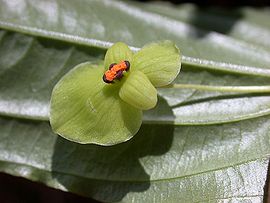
{"x":86,"y":110}
{"x":138,"y":91}
{"x":160,"y":62}
{"x":116,"y":53}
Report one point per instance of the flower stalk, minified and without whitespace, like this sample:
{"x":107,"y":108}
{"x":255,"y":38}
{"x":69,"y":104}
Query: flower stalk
{"x":238,"y":89}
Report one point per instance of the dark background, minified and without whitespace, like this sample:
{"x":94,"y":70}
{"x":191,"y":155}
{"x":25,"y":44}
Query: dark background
{"x":20,"y":190}
{"x":220,"y":3}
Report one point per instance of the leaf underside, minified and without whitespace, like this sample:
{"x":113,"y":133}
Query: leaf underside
{"x":195,"y":146}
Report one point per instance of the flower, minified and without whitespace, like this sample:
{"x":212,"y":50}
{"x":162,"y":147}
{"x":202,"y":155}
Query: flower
{"x":103,"y":104}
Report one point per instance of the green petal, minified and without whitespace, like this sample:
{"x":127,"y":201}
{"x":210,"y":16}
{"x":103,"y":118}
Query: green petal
{"x":116,"y":53}
{"x":138,"y":91}
{"x":86,"y":110}
{"x":161,"y":62}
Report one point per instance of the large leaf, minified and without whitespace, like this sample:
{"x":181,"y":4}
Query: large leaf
{"x":252,"y":28}
{"x":37,"y":64}
{"x":99,"y":22}
{"x":165,"y":163}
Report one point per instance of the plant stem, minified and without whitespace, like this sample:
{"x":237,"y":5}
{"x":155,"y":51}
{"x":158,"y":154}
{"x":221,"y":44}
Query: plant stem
{"x":240,"y":89}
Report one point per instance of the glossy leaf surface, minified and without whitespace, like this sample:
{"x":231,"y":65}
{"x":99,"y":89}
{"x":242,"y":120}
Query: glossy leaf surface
{"x":30,"y":64}
{"x":70,"y":21}
{"x":163,"y":162}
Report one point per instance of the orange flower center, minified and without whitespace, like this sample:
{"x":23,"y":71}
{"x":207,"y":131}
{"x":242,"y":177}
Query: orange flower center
{"x":116,"y":71}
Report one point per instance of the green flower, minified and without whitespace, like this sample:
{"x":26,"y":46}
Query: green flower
{"x":85,"y":109}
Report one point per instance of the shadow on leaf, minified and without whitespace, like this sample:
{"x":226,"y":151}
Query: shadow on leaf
{"x":208,"y":20}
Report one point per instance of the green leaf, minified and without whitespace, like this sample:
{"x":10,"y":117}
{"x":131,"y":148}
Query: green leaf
{"x":98,"y":23}
{"x":44,"y":62}
{"x":117,"y":53}
{"x":160,"y":62}
{"x":244,"y":24}
{"x":29,"y":69}
{"x":138,"y":91}
{"x":84,"y":109}
{"x":169,"y":163}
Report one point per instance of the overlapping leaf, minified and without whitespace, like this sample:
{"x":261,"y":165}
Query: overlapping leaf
{"x":99,"y":22}
{"x":163,"y":162}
